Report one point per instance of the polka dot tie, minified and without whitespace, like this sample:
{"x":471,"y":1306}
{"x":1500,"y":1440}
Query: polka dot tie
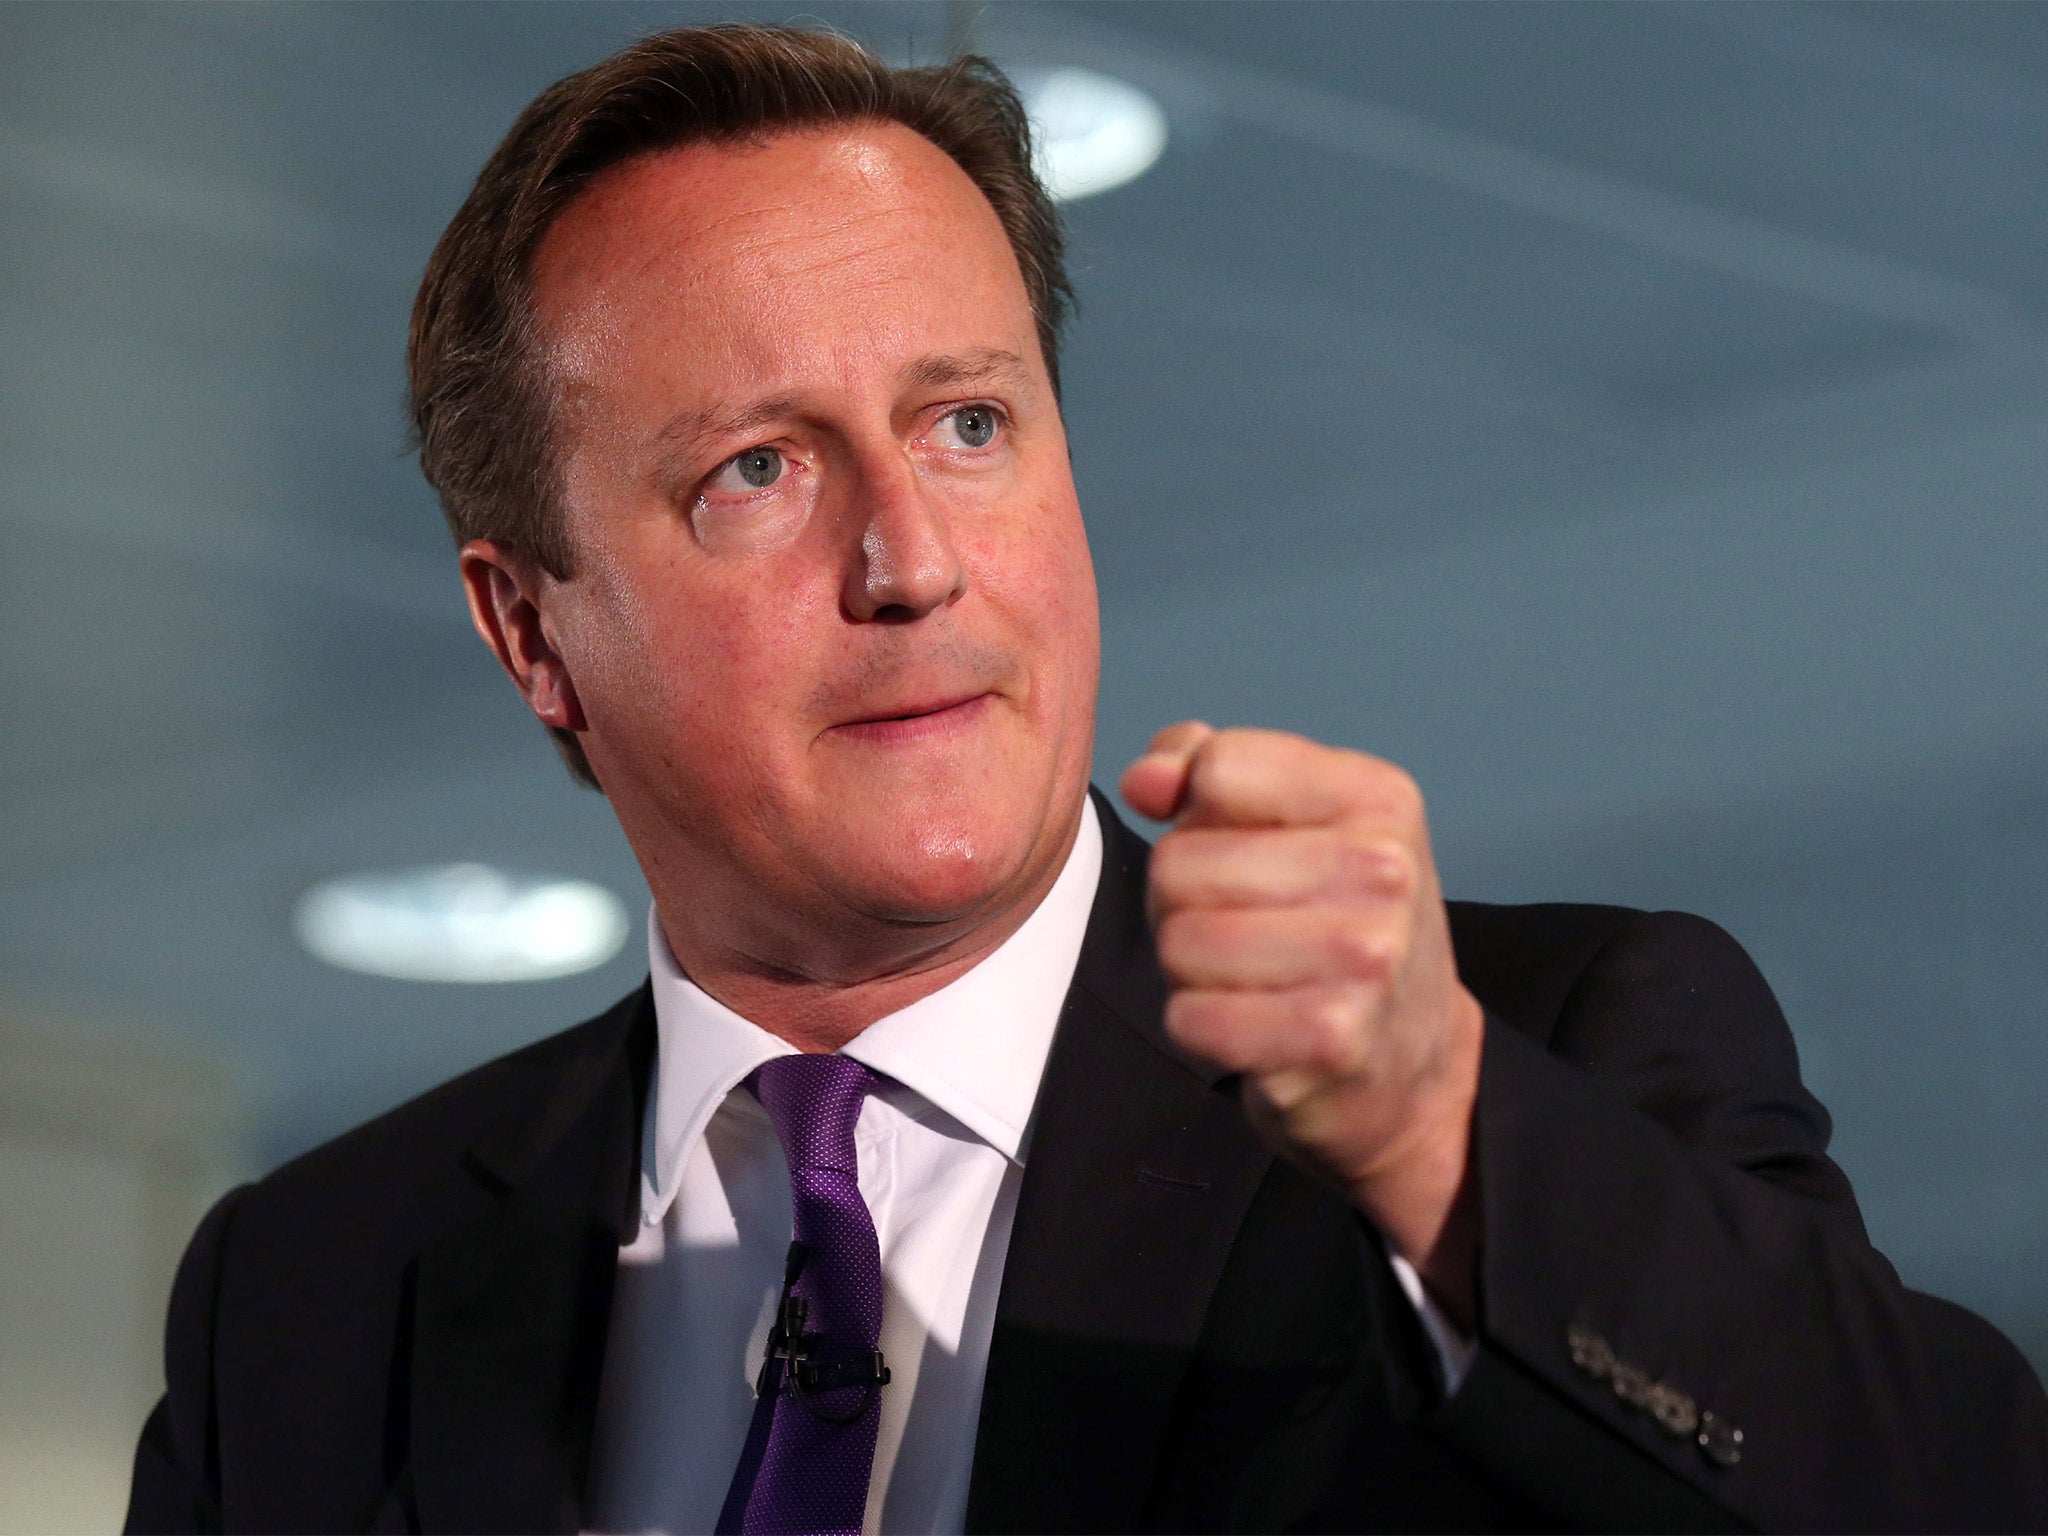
{"x":811,"y":1445}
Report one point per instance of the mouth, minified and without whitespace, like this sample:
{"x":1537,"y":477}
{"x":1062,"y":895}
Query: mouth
{"x":916,"y":721}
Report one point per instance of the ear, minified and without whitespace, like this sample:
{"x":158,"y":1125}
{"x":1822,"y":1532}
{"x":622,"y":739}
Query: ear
{"x":508,"y":593}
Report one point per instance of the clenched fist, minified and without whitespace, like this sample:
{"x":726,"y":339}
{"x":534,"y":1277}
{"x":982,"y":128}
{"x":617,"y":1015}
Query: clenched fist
{"x":1304,"y":939}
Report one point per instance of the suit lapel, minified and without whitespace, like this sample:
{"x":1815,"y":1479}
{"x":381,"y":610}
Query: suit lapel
{"x":510,"y":1310}
{"x":1139,"y":1171}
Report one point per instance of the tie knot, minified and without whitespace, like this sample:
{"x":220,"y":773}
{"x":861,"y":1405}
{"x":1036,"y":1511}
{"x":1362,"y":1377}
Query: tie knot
{"x":814,"y":1102}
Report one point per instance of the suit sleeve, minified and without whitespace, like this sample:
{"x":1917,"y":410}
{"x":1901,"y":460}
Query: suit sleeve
{"x":1682,"y":1323}
{"x":176,"y":1485}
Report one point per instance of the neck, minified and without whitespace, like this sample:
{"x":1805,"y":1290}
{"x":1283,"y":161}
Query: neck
{"x":821,"y":989}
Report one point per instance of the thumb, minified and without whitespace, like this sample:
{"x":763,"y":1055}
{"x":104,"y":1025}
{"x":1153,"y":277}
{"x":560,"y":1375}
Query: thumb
{"x":1155,"y":784}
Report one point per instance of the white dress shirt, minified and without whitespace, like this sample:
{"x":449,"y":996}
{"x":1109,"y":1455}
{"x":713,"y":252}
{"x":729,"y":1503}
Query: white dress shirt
{"x":941,"y":1159}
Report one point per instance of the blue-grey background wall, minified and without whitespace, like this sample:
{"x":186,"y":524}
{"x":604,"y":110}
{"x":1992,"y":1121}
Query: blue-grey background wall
{"x":1629,"y":418}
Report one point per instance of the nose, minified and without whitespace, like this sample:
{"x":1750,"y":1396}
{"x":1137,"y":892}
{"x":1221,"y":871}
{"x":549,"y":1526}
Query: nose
{"x":905,"y":565}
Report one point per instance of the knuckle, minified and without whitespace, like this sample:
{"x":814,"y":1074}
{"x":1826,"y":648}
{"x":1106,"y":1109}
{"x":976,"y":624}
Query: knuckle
{"x":1362,"y":950}
{"x":1376,"y":866}
{"x":1335,"y":1019}
{"x":1399,"y":872}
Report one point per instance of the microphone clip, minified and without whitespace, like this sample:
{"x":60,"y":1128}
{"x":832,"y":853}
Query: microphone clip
{"x":796,"y":1357}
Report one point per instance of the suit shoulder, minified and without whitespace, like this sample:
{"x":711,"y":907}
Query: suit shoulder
{"x":411,"y":1157}
{"x":1521,"y":961}
{"x":1524,"y":961}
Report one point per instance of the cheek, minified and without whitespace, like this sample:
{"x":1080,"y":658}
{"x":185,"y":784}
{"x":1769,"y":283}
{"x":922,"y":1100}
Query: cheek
{"x":1038,"y":569}
{"x":666,"y":657}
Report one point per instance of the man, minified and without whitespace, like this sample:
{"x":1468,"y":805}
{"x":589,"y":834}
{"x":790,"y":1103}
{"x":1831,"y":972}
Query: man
{"x":963,"y":1164}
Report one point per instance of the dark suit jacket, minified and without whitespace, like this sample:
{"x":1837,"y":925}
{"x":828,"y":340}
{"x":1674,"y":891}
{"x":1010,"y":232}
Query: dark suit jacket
{"x":404,"y":1328}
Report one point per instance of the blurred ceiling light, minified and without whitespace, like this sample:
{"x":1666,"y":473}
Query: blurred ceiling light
{"x":460,"y":922}
{"x":1090,"y":132}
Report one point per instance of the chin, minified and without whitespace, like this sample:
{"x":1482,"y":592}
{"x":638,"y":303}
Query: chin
{"x":928,"y":864}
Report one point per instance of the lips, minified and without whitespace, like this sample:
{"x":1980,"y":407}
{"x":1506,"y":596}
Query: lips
{"x":925,"y":717}
{"x":918,"y":711}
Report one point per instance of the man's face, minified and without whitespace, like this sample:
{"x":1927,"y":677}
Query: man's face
{"x":833,"y":625}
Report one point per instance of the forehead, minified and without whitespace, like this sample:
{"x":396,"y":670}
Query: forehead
{"x":865,"y":231}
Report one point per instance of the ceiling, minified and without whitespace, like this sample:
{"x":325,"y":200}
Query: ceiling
{"x":1630,"y":418}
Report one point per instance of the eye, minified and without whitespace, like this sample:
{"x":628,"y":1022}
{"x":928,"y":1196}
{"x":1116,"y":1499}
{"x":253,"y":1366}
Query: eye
{"x":754,"y":470}
{"x":972,"y":426}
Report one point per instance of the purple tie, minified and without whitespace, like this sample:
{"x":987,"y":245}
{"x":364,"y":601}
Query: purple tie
{"x":811,"y":1445}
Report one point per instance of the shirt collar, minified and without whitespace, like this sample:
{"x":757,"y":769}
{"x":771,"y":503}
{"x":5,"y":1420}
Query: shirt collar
{"x":975,"y":1049}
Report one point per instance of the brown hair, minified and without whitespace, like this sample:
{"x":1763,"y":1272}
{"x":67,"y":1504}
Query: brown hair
{"x":480,"y":399}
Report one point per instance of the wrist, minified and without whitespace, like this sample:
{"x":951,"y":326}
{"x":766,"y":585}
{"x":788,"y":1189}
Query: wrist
{"x":1423,"y":1193}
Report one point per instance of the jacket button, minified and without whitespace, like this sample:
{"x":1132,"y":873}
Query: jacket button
{"x":1632,"y":1385}
{"x":1590,"y":1353}
{"x":1673,"y":1409}
{"x":1720,"y":1441}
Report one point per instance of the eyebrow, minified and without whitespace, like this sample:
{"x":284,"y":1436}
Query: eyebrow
{"x":714,"y":422}
{"x":937,"y":371}
{"x":967,"y":367}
